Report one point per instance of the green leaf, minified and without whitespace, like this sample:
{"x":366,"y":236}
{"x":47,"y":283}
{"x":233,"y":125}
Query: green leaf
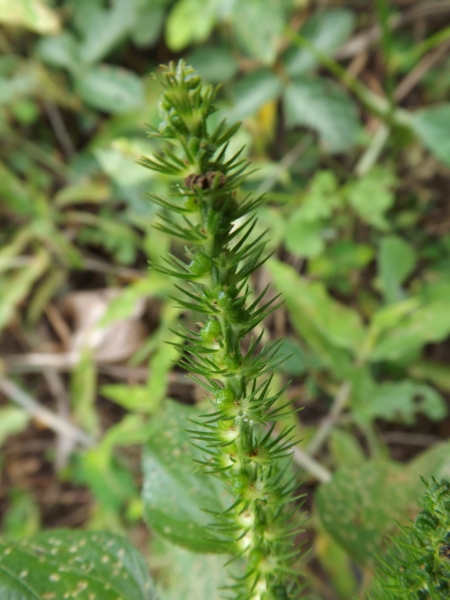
{"x":429,"y":323}
{"x":85,"y":565}
{"x":190,"y":21}
{"x":341,"y":259}
{"x":12,"y":420}
{"x":124,"y":305}
{"x":83,"y":388}
{"x":31,"y":14}
{"x":304,"y":228}
{"x":187,"y":575}
{"x":110,"y":482}
{"x":111,"y":89}
{"x":17,"y":286}
{"x":387,"y":317}
{"x":83,"y":192}
{"x":14,"y":192}
{"x":121,"y":167}
{"x":400,"y":401}
{"x":102,"y":29}
{"x":304,"y":238}
{"x":438,"y":374}
{"x":161,"y":364}
{"x":321,"y":198}
{"x":258,"y":26}
{"x":59,"y":51}
{"x":307,"y":323}
{"x":148,"y":24}
{"x":327,"y":31}
{"x":132,"y":397}
{"x":15,"y":90}
{"x":175,"y":494}
{"x":371,"y":196}
{"x":254,"y":91}
{"x":323,"y":106}
{"x":432,"y":127}
{"x":337,"y":565}
{"x":341,"y":325}
{"x":345,"y":450}
{"x":360,"y":506}
{"x":22,"y":518}
{"x":396,"y":260}
{"x":297,"y":362}
{"x":215,"y":64}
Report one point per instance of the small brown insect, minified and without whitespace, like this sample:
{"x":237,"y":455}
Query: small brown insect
{"x":205,"y":182}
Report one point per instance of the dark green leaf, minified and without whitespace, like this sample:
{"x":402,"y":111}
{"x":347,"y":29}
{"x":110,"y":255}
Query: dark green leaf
{"x":215,"y":64}
{"x":401,"y":400}
{"x":323,"y":106}
{"x":396,"y":260}
{"x":304,"y":314}
{"x":14,"y":192}
{"x":429,"y":323}
{"x":297,"y":362}
{"x":339,"y":324}
{"x":253,"y":91}
{"x":371,"y":196}
{"x":111,"y":89}
{"x":59,"y":51}
{"x":327,"y":30}
{"x":360,"y":505}
{"x":258,"y":26}
{"x":345,"y":450}
{"x":432,"y":126}
{"x":187,"y":575}
{"x":148,"y":23}
{"x":304,"y":238}
{"x":437,"y":373}
{"x":102,"y":29}
{"x":175,"y":493}
{"x":84,"y":565}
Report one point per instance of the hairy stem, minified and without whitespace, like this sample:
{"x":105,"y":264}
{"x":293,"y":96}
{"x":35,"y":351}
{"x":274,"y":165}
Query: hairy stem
{"x":238,"y":436}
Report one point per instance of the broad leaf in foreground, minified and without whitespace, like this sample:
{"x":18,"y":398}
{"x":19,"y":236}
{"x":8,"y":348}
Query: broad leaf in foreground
{"x":175,"y":494}
{"x":360,"y":506}
{"x":73,"y":564}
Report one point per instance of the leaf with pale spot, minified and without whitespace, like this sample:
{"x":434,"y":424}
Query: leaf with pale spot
{"x":73,"y":564}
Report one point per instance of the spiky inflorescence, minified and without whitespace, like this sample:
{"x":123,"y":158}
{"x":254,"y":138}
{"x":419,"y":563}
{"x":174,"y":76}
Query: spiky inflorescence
{"x":421,"y":567}
{"x":238,"y":437}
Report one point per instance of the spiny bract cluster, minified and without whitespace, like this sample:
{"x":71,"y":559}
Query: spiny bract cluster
{"x":238,"y":438}
{"x":421,"y":569}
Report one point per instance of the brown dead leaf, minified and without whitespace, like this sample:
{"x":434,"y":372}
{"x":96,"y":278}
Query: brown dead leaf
{"x":113,"y":343}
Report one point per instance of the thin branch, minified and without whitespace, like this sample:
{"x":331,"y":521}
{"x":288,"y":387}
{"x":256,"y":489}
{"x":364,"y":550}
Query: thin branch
{"x":42,"y":414}
{"x":60,"y":129}
{"x":285,"y":164}
{"x":38,"y":362}
{"x":311,"y":465}
{"x":64,"y":443}
{"x":331,"y":419}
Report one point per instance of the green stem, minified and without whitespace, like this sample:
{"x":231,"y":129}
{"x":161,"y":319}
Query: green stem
{"x":236,"y":437}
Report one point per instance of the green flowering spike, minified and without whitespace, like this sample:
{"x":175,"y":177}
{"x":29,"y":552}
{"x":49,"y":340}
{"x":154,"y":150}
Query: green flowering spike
{"x":419,"y":566}
{"x":238,"y":438}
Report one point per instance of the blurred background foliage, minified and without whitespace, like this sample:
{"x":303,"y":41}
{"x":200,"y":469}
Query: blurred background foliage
{"x":346,"y":118}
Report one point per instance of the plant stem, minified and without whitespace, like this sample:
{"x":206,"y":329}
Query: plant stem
{"x":330,"y":420}
{"x":237,"y":437}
